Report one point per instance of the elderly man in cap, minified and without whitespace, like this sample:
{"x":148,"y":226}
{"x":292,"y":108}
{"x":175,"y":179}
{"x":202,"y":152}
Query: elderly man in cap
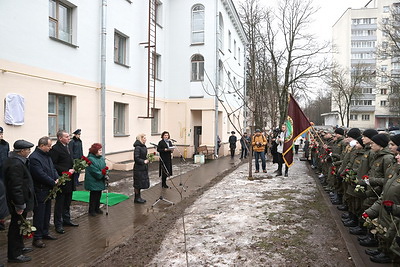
{"x":75,"y":147}
{"x":4,"y":149}
{"x":20,"y":197}
{"x":232,"y":143}
{"x":63,"y":162}
{"x":44,"y":177}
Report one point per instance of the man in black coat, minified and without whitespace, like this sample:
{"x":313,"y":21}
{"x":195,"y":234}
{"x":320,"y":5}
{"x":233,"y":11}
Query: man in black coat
{"x":3,"y":204}
{"x":232,"y":143}
{"x":44,"y":177}
{"x":76,"y":149}
{"x":4,"y":149}
{"x":20,"y":197}
{"x":62,"y":160}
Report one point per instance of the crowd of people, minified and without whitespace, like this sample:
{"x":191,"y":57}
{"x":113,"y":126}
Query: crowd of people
{"x":29,"y":180}
{"x":361,"y":173}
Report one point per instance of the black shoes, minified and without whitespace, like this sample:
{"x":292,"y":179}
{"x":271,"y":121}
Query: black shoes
{"x":20,"y":258}
{"x":49,"y":237}
{"x":93,"y":214}
{"x":278,"y":174}
{"x":286,"y":174}
{"x":343,"y":207}
{"x":350,"y":223}
{"x":60,"y":230}
{"x":71,"y":224}
{"x":27,"y":250}
{"x":380,"y":258}
{"x":369,"y":242}
{"x":38,"y":243}
{"x":165,"y":186}
{"x":99,"y":211}
{"x":358,"y":230}
{"x":139,"y":200}
{"x":372,"y":252}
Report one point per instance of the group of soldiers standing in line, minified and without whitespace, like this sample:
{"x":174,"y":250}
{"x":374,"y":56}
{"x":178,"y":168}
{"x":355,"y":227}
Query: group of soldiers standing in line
{"x":361,"y":173}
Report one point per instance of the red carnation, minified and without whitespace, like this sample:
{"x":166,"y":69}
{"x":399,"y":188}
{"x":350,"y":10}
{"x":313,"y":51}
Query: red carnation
{"x":365,"y":177}
{"x":67,"y":173}
{"x":365,"y":215}
{"x":346,"y":170}
{"x":388,"y":203}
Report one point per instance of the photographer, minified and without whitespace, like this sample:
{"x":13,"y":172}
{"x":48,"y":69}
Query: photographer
{"x":259,"y":142}
{"x":280,"y":140}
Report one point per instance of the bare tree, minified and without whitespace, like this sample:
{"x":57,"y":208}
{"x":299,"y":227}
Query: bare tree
{"x":347,"y":86}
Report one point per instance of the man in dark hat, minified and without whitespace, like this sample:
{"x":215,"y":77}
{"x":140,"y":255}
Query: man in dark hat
{"x":44,"y":177}
{"x":63,"y":162}
{"x":244,"y":143}
{"x":232,"y":143}
{"x":75,"y":147}
{"x":4,"y":149}
{"x":20,"y":197}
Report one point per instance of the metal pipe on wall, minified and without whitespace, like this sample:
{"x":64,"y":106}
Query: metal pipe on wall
{"x":103,"y":73}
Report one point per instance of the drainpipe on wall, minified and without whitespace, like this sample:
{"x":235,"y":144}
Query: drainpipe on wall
{"x":244,"y":90}
{"x":216,"y":78}
{"x":103,"y":74}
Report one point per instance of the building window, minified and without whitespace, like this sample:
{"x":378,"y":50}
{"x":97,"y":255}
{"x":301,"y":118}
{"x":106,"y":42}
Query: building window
{"x":155,"y":121}
{"x":367,"y":90}
{"x":159,"y":13}
{"x":229,"y":41}
{"x":239,"y":55}
{"x":353,"y":117}
{"x":198,"y":24}
{"x":197,"y":68}
{"x":59,"y":113}
{"x":220,"y":73}
{"x":384,"y":91}
{"x":157,"y":67}
{"x":365,"y":117}
{"x":234,"y":48}
{"x":60,"y":21}
{"x":384,"y":68}
{"x":386,"y":9}
{"x":221,"y":33}
{"x":384,"y":79}
{"x":120,"y":46}
{"x":119,"y":118}
{"x":383,"y":103}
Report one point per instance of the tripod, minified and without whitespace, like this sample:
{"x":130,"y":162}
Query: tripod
{"x":180,"y":175}
{"x":164,"y":170}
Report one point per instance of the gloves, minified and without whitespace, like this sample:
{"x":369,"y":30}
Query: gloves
{"x":388,"y":206}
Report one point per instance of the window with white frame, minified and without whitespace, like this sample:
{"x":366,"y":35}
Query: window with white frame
{"x":155,"y":121}
{"x":234,"y":48}
{"x":221,"y":33}
{"x":198,"y":19}
{"x":197,"y":68}
{"x":383,"y":68}
{"x":157,"y":67}
{"x":159,"y":12}
{"x":353,"y":117}
{"x":386,"y":9}
{"x":229,"y":41}
{"x":59,"y":113}
{"x":220,"y":73}
{"x":383,"y":103}
{"x":396,"y":65}
{"x":367,"y":90}
{"x":119,"y":118}
{"x":384,"y":91}
{"x":120,"y":48}
{"x":365,"y":117}
{"x":60,"y":21}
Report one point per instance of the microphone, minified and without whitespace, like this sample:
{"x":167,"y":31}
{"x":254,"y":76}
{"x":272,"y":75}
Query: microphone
{"x":173,"y":140}
{"x":153,"y":144}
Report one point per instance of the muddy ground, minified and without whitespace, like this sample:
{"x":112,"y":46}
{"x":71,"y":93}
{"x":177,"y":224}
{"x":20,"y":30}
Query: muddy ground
{"x":270,"y":221}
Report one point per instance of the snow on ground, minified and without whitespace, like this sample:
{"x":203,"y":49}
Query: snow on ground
{"x":229,"y":222}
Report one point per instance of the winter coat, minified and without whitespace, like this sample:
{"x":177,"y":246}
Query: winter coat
{"x":94,"y":177}
{"x":165,"y":157}
{"x":3,"y":201}
{"x":4,"y":149}
{"x":140,"y":169}
{"x":279,"y":148}
{"x":259,"y":139}
{"x":232,"y":141}
{"x":355,"y":162}
{"x":18,"y":182}
{"x":245,"y":142}
{"x":75,"y":147}
{"x":42,"y":170}
{"x":381,"y":162}
{"x":63,"y":162}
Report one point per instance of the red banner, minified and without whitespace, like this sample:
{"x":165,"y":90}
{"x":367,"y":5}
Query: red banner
{"x":296,"y":124}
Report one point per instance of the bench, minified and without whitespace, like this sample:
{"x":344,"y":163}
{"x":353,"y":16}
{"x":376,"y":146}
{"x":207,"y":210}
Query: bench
{"x":206,"y":150}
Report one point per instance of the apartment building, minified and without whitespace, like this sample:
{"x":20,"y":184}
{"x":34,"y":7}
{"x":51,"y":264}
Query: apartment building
{"x":357,"y":39}
{"x":119,"y":68}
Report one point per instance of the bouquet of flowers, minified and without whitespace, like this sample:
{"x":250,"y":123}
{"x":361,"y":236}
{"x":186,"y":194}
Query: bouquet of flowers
{"x":151,"y":156}
{"x":350,"y":176}
{"x":374,"y":226}
{"x":26,"y":229}
{"x":359,"y":188}
{"x":65,"y":176}
{"x":81,"y":164}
